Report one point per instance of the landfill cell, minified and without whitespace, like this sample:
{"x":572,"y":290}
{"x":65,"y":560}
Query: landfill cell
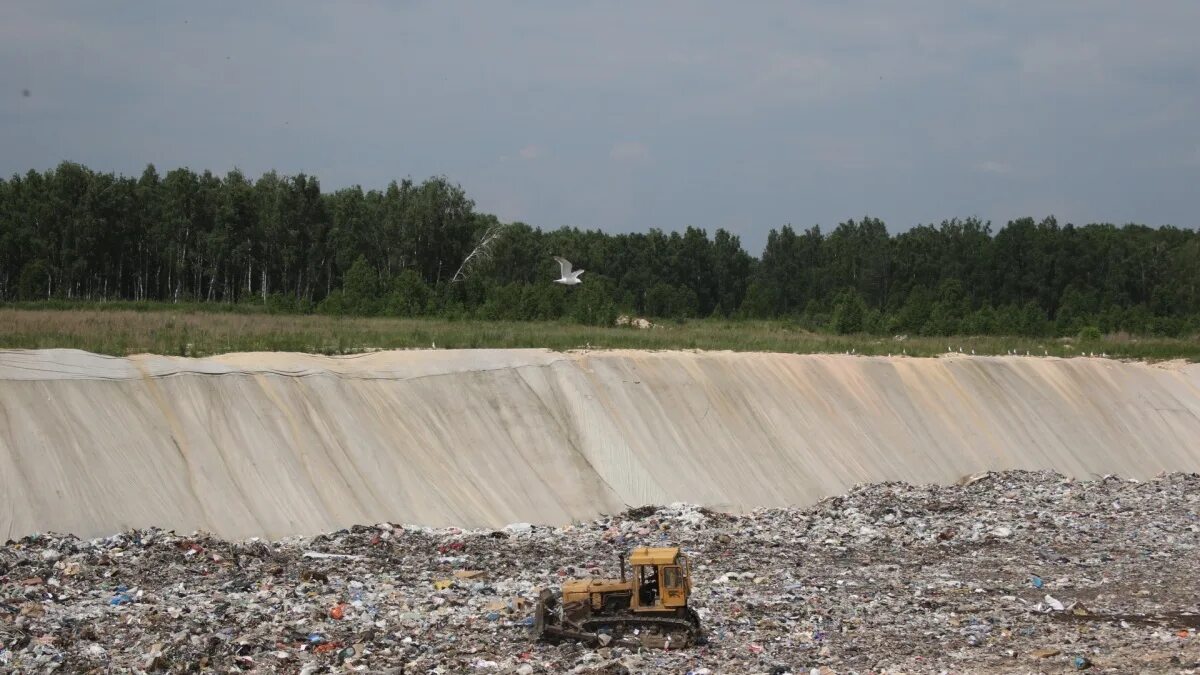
{"x":1015,"y":572}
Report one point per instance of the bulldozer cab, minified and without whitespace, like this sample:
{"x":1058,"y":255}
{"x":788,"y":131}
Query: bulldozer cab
{"x":661,"y":579}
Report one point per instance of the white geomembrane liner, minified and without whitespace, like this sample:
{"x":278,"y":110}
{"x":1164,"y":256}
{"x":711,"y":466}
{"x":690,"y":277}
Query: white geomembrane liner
{"x":278,"y":444}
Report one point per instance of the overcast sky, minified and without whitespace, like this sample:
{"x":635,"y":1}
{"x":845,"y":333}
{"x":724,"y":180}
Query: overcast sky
{"x":630,"y":115}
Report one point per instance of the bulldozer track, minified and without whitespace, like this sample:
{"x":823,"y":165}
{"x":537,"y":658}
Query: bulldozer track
{"x":625,"y":625}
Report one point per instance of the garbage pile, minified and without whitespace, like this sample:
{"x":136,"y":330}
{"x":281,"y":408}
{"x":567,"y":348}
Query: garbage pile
{"x":1005,"y":572}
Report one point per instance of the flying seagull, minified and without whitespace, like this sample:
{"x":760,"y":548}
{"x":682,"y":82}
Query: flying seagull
{"x":569,"y":278}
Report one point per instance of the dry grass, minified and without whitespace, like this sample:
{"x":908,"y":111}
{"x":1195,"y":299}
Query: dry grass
{"x":189,"y":332}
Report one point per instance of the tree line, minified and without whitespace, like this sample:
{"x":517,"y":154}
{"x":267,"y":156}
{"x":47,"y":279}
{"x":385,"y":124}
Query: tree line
{"x":75,"y":234}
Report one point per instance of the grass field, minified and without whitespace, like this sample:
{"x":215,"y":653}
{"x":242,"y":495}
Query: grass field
{"x":201,"y":331}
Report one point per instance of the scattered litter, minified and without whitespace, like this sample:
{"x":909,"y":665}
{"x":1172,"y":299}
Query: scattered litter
{"x":887,"y":578}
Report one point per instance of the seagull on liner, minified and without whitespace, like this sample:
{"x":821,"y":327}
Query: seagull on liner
{"x":569,"y":278}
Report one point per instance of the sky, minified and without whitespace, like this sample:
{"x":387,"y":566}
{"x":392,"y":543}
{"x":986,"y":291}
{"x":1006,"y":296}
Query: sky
{"x":624,"y":116}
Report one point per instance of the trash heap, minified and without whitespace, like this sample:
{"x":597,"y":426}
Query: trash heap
{"x":1003,"y":573}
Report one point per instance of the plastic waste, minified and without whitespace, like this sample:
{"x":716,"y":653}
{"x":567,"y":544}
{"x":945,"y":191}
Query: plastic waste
{"x":860,"y":582}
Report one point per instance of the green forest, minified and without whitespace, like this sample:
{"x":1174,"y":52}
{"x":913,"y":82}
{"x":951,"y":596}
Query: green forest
{"x":75,"y":235}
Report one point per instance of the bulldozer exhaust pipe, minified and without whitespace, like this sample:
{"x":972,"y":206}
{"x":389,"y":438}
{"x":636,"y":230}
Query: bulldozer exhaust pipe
{"x":621,"y":562}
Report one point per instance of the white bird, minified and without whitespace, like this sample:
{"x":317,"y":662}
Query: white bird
{"x":569,"y":278}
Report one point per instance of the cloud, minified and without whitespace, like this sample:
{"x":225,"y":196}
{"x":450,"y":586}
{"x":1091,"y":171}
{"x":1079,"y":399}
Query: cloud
{"x":802,"y":112}
{"x":992,"y":166}
{"x":629,"y":151}
{"x":531,"y":152}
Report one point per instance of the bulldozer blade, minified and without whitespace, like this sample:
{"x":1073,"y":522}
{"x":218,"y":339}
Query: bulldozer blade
{"x":543,"y":614}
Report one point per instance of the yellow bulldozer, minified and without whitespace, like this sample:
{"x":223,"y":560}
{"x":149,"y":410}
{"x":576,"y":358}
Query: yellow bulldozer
{"x":647,"y":608}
